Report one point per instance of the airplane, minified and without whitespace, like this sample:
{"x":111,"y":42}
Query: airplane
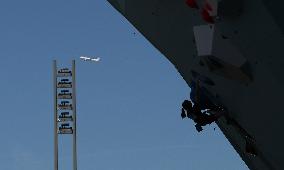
{"x":90,"y":59}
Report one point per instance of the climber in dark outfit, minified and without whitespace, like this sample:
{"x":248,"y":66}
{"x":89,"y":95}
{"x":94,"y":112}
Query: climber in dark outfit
{"x":201,"y":102}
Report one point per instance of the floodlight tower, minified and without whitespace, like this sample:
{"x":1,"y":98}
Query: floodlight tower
{"x":64,"y":108}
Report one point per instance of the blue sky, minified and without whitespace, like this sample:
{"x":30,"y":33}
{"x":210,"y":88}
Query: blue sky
{"x":128,"y":105}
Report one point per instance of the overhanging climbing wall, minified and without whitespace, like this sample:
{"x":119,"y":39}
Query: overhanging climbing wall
{"x":249,"y":84}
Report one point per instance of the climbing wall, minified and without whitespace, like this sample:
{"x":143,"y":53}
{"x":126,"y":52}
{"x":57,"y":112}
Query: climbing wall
{"x":238,"y":46}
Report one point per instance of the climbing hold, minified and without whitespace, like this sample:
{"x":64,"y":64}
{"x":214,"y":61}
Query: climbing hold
{"x":208,"y":7}
{"x":206,"y":16}
{"x":192,"y":4}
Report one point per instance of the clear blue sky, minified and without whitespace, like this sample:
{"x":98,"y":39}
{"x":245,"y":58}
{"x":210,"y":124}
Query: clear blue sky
{"x":128,"y":105}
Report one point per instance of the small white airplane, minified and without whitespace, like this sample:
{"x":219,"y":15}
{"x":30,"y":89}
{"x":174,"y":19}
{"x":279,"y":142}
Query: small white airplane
{"x":90,"y":59}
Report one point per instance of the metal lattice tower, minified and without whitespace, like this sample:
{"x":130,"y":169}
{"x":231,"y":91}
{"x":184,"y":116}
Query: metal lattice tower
{"x":64,"y":108}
